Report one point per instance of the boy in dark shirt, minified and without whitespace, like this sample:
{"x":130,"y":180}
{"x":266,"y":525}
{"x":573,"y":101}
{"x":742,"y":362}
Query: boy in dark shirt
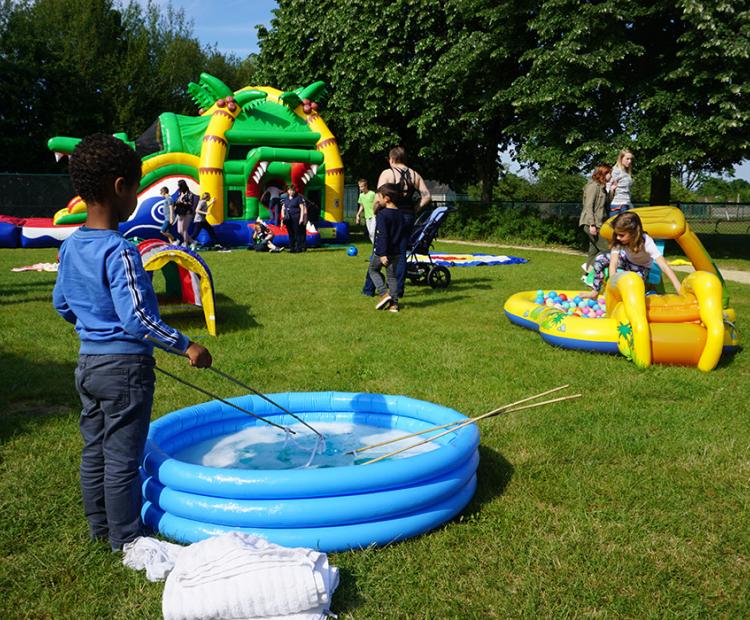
{"x":104,"y":291}
{"x":389,"y":230}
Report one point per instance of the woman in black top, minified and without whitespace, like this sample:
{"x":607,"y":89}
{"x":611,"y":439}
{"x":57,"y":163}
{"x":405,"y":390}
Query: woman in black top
{"x":294,"y":216}
{"x":184,"y":208}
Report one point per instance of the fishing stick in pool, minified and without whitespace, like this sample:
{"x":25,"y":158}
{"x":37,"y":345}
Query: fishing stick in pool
{"x":242,"y":385}
{"x":264,"y":397}
{"x":226,"y":402}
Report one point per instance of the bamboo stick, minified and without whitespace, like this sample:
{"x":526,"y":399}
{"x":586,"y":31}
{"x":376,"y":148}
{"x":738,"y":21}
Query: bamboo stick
{"x":437,"y":428}
{"x":466,"y":423}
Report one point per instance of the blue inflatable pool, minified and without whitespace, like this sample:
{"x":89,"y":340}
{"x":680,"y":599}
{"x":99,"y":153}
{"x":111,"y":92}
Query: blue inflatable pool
{"x":330,"y":509}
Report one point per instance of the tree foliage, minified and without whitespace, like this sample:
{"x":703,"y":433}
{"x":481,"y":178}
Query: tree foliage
{"x":72,"y":67}
{"x":430,"y":76}
{"x":667,"y":78}
{"x":561,"y":83}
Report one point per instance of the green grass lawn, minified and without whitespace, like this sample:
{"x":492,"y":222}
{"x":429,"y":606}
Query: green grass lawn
{"x":630,"y":502}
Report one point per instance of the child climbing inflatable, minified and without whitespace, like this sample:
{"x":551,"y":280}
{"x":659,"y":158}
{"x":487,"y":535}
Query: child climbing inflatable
{"x":691,"y":328}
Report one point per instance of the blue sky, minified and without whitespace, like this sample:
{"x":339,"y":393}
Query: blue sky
{"x":230,"y":26}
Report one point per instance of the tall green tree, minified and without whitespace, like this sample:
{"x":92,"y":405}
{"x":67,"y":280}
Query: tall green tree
{"x":667,"y":78}
{"x":429,"y":75}
{"x":72,"y":67}
{"x":468,"y":111}
{"x":374,"y":56}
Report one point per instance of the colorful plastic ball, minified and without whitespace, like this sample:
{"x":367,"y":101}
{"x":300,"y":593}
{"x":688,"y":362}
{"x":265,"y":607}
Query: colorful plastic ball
{"x":553,"y":294}
{"x":563,"y":297}
{"x":352,"y":250}
{"x":577,"y":299}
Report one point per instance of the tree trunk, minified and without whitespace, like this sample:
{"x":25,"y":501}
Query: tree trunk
{"x":488,"y":185}
{"x":661,"y":185}
{"x":488,"y":166}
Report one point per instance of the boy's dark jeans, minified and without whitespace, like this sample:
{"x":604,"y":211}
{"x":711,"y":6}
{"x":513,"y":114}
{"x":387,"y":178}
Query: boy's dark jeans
{"x":117,"y":392}
{"x":389,"y":282}
{"x":401,"y":267}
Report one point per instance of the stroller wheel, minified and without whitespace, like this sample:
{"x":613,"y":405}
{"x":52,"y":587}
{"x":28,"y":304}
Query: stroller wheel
{"x":439,"y":277}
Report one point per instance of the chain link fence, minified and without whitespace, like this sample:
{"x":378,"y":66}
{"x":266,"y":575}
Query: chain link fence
{"x":34,"y":195}
{"x":42,"y":195}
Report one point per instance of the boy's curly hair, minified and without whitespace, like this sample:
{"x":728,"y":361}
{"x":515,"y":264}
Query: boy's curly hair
{"x":97,"y":160}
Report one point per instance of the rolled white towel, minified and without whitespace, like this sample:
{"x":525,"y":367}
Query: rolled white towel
{"x":241,"y":576}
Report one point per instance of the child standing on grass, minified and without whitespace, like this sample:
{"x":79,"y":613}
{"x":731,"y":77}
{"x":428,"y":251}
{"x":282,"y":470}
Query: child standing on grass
{"x":104,"y":291}
{"x":389,"y":230}
{"x":166,"y":227}
{"x":631,"y":249}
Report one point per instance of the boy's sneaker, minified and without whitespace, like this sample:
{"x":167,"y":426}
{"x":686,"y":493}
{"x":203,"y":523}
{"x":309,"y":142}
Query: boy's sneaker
{"x":585,"y":268}
{"x":393,"y":308}
{"x":384,"y":301}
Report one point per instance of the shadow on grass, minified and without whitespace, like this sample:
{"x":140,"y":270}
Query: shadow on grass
{"x":727,"y":358}
{"x":230,"y":316}
{"x":29,"y":291}
{"x":493,"y":475}
{"x":34,"y":392}
{"x":347,"y":597}
{"x":433,"y":300}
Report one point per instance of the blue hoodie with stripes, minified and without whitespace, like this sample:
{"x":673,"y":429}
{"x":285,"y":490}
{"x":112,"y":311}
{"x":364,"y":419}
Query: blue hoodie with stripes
{"x":103,"y":289}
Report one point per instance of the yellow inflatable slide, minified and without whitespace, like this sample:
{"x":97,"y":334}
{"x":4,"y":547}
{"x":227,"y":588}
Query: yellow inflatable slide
{"x":691,"y":328}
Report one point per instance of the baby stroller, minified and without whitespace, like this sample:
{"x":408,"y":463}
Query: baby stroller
{"x":426,"y":228}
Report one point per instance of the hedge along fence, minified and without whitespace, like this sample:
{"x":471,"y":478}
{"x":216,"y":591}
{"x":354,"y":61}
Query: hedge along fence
{"x":515,"y":222}
{"x":723,"y":227}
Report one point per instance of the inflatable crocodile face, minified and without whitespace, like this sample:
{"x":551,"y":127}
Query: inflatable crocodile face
{"x":240,"y":143}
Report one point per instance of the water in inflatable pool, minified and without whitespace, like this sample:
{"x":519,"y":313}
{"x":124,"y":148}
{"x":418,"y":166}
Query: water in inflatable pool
{"x":265,"y":447}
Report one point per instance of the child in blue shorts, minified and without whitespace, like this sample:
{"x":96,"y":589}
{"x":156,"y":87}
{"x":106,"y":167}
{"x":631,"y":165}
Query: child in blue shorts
{"x":104,"y":291}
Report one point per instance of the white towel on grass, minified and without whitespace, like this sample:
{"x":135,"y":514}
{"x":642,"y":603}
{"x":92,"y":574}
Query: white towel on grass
{"x":156,"y":557}
{"x":239,"y":577}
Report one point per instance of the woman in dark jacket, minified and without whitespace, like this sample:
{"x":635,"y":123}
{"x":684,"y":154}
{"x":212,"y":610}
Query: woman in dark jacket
{"x":184,"y":209}
{"x":595,"y":208}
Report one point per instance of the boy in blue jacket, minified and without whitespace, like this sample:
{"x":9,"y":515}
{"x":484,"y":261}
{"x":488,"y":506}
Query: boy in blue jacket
{"x":104,"y":291}
{"x":389,"y":230}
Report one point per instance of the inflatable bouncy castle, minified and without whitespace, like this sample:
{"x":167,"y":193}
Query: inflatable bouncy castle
{"x":693,"y":327}
{"x":238,"y":145}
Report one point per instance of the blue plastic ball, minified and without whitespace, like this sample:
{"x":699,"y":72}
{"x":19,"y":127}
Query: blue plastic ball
{"x":352,"y":250}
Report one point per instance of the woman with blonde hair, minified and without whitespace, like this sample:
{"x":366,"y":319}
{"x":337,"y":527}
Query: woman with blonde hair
{"x":621,"y":184}
{"x":595,"y":212}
